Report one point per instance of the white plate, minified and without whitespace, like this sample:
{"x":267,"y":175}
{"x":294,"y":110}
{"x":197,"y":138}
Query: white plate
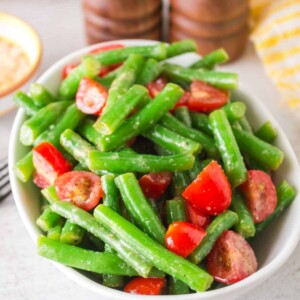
{"x":272,"y":248}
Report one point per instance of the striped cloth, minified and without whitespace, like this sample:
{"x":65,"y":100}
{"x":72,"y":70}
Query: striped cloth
{"x":276,"y":37}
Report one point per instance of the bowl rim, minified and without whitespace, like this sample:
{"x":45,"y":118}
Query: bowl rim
{"x":241,"y":287}
{"x":34,"y":66}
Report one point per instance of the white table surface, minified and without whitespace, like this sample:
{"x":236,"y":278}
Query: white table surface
{"x":23,"y":274}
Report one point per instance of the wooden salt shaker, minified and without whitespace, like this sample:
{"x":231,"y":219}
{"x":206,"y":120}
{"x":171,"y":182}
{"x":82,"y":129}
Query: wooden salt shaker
{"x":211,"y":23}
{"x":122,"y":19}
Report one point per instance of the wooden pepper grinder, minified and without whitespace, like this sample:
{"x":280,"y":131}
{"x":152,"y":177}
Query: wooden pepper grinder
{"x":122,"y":19}
{"x":211,"y":23}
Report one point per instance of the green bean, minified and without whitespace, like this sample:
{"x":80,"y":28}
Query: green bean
{"x":38,"y":123}
{"x":181,"y":47}
{"x":107,"y":82}
{"x":142,"y":120}
{"x":54,"y":233}
{"x":24,"y":167}
{"x":72,"y":256}
{"x":196,"y":169}
{"x":150,"y":71}
{"x":266,"y":154}
{"x":171,"y":140}
{"x":69,"y":120}
{"x":218,"y":79}
{"x":235,"y":110}
{"x":139,"y":208}
{"x":88,"y":222}
{"x":207,"y":143}
{"x":245,"y":226}
{"x":40,"y":96}
{"x":124,"y":162}
{"x":182,"y":114}
{"x":180,"y":181}
{"x":232,"y":159}
{"x":25,"y":102}
{"x":87,"y":130}
{"x":111,"y":199}
{"x":208,"y":61}
{"x":155,"y":253}
{"x":177,"y":287}
{"x":116,"y":115}
{"x":201,"y":122}
{"x":158,"y":51}
{"x":245,"y":125}
{"x":124,"y":80}
{"x":266,"y":132}
{"x":89,"y":67}
{"x":50,"y":194}
{"x":221,"y":223}
{"x":71,"y":233}
{"x":175,"y":210}
{"x":48,"y":219}
{"x":110,"y":192}
{"x":285,"y":196}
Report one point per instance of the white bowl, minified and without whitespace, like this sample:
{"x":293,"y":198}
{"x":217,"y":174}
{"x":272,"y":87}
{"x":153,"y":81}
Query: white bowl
{"x":273,"y":247}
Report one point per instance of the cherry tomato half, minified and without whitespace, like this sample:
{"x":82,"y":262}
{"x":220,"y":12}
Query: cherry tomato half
{"x":67,"y":70}
{"x":49,"y":163}
{"x":210,"y":191}
{"x":196,"y":216}
{"x":231,"y":259}
{"x":260,"y":195}
{"x":91,"y":96}
{"x":183,"y":237}
{"x":155,"y":184}
{"x":206,"y":98}
{"x":145,"y":286}
{"x":79,"y":187}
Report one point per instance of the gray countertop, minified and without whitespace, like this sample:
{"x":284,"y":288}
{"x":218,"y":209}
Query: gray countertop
{"x":23,"y":274}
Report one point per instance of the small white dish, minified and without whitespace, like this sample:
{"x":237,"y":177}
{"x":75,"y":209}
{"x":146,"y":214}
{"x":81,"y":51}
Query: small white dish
{"x":23,"y":35}
{"x":273,"y":247}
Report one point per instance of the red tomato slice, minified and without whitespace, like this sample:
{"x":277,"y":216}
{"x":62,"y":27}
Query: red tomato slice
{"x":206,"y":98}
{"x":91,"y":96}
{"x":197,"y":217}
{"x":145,"y":286}
{"x":155,"y":184}
{"x":67,"y":70}
{"x":210,"y":191}
{"x":183,"y":237}
{"x":260,"y":195}
{"x":184,"y":99}
{"x":155,"y":87}
{"x":231,"y":259}
{"x":79,"y":187}
{"x":106,"y":48}
{"x":107,"y":69}
{"x":49,"y":163}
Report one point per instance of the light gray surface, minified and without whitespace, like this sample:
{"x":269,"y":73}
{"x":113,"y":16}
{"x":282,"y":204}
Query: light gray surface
{"x":24,"y":275}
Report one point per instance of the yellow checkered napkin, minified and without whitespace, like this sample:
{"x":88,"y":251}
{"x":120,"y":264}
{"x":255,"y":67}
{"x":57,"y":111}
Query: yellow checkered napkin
{"x":276,"y":37}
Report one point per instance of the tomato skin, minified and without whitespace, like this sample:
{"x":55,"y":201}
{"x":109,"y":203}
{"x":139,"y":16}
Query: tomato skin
{"x":210,"y":192}
{"x":67,"y":70}
{"x":155,"y":184}
{"x":91,"y":96}
{"x":183,"y":237}
{"x":197,"y":217}
{"x":206,"y":98}
{"x":80,"y":188}
{"x":145,"y":286}
{"x":231,"y":259}
{"x":49,"y":163}
{"x":260,"y":194}
{"x":155,"y":87}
